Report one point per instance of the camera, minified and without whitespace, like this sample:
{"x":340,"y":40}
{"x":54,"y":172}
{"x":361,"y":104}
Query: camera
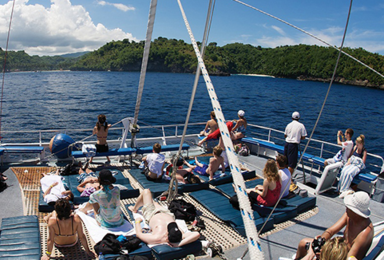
{"x":317,"y":243}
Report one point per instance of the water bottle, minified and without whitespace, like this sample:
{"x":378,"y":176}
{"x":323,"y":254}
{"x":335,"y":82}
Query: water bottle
{"x":101,"y":256}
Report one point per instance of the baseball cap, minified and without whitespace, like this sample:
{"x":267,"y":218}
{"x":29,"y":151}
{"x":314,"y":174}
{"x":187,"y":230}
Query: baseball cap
{"x":241,"y":113}
{"x":296,"y":115}
{"x":174,"y":233}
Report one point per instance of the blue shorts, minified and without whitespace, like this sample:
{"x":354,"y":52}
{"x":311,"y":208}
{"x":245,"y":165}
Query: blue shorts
{"x":201,"y":170}
{"x":85,"y":175}
{"x":291,"y":152}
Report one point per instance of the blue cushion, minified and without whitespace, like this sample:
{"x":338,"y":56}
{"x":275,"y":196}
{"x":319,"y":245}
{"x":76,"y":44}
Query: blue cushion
{"x":219,"y":205}
{"x":20,"y":238}
{"x":376,"y":250}
{"x":164,"y":148}
{"x":111,"y":152}
{"x":156,"y":187}
{"x":23,"y":149}
{"x":366,"y":176}
{"x":282,"y":212}
{"x":165,"y":252}
{"x":130,"y":192}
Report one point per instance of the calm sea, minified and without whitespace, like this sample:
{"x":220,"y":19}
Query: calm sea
{"x":65,"y":100}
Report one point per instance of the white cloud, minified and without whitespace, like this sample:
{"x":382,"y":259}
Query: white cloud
{"x":58,"y":29}
{"x":278,"y":29}
{"x":121,"y":7}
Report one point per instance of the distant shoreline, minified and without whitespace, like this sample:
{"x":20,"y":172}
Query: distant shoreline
{"x":255,"y":75}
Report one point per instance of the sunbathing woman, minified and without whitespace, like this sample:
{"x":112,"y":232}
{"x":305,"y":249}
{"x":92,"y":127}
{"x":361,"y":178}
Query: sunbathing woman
{"x":266,"y":194}
{"x":211,"y":125}
{"x":65,"y":229}
{"x":101,"y":132}
{"x":240,"y":128}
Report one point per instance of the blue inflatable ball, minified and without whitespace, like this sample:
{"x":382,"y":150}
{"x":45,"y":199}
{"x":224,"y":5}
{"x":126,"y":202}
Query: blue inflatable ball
{"x":60,"y":146}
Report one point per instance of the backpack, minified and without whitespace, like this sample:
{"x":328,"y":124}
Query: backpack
{"x":108,"y":245}
{"x":183,"y":210}
{"x":71,"y":169}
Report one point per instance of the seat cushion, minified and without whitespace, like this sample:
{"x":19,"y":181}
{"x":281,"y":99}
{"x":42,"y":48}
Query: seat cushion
{"x":165,"y":252}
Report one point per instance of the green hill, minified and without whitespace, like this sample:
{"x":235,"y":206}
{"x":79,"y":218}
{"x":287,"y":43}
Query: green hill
{"x":302,"y":62}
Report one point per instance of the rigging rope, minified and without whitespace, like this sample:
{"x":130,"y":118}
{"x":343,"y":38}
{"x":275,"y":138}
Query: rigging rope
{"x":5,"y":62}
{"x":318,"y":118}
{"x":245,"y":207}
{"x":147,"y":46}
{"x":171,"y":190}
{"x":311,"y":35}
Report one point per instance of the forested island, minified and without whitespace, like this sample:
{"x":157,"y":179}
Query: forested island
{"x":303,"y":62}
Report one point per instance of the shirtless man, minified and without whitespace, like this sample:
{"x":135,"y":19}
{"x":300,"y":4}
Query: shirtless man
{"x":211,"y":125}
{"x":204,"y":169}
{"x":358,"y":233}
{"x":162,"y":223}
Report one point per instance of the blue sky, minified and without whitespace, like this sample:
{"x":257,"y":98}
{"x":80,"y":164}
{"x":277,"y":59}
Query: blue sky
{"x":54,"y":27}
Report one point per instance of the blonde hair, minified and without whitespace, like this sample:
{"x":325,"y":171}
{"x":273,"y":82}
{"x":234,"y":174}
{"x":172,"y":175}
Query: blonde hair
{"x":334,"y":249}
{"x":270,"y":171}
{"x":217,"y":150}
{"x":360,"y":139}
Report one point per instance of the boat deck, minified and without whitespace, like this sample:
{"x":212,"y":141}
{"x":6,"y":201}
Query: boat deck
{"x":26,"y":180}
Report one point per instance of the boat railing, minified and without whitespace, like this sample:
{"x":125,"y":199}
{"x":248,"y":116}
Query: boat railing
{"x":322,"y":149}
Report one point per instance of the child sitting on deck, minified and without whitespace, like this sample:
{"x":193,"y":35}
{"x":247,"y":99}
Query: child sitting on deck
{"x":204,"y":169}
{"x":266,"y":194}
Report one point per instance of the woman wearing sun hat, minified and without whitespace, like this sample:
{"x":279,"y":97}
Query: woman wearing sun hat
{"x":241,"y":126}
{"x":106,"y":201}
{"x":358,"y":232}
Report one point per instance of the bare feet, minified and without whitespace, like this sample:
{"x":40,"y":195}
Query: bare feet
{"x":200,"y":143}
{"x":131,"y":208}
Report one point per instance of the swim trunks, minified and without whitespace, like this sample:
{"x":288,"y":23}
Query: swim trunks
{"x":201,"y":170}
{"x":149,"y":210}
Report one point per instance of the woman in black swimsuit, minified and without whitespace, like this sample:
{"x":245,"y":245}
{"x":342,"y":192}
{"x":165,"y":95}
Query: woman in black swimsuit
{"x":101,"y":132}
{"x":65,"y":229}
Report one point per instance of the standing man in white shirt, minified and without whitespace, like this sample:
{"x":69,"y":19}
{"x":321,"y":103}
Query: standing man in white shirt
{"x":154,"y":163}
{"x":294,"y":133}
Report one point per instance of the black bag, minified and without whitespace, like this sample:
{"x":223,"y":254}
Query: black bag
{"x":3,"y":185}
{"x":132,"y":243}
{"x":183,"y":210}
{"x":108,"y":245}
{"x":71,"y":169}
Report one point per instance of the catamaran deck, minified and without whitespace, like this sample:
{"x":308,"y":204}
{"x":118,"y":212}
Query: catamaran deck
{"x":22,"y":198}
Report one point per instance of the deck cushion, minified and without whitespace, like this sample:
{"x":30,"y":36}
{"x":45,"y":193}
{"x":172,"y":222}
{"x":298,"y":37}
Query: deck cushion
{"x":111,"y":152}
{"x":164,"y":148}
{"x":23,"y":149}
{"x":20,"y":238}
{"x":219,"y":205}
{"x":165,"y":252}
{"x":282,"y":212}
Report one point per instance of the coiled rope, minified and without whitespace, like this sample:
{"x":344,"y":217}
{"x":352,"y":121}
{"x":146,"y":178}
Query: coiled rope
{"x":245,"y":207}
{"x":5,"y":63}
{"x":311,"y":35}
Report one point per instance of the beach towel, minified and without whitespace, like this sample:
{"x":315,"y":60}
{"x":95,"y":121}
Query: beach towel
{"x":48,"y":180}
{"x":89,"y":150}
{"x":180,"y":223}
{"x":97,"y":233}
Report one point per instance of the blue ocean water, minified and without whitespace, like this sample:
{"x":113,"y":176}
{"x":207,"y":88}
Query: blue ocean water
{"x":67,"y":100}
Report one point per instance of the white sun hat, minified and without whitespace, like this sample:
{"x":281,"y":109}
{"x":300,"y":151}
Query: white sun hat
{"x":358,"y":202}
{"x":241,"y":113}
